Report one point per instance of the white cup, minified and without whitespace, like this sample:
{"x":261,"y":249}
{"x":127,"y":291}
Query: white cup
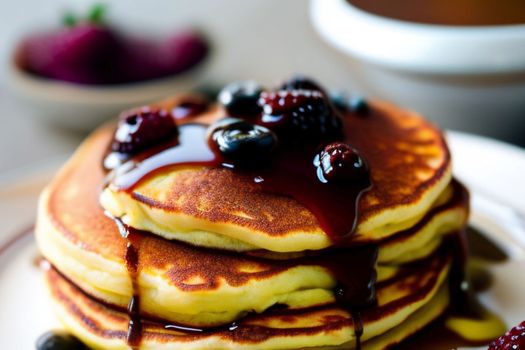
{"x":470,"y":78}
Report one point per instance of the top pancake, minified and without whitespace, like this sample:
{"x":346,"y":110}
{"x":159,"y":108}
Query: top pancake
{"x":410,"y":167}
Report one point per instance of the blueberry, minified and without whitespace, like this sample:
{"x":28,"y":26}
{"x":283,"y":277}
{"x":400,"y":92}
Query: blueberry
{"x":355,"y":104}
{"x":300,"y":82}
{"x":242,"y":142}
{"x":339,"y":162}
{"x":358,"y":104}
{"x":209,"y":91}
{"x":59,"y":341}
{"x":339,"y":100}
{"x":141,"y":128}
{"x":240,"y":98}
{"x":299,"y":115}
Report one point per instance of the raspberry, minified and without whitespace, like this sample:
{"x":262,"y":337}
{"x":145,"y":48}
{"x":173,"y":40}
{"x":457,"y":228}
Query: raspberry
{"x":512,"y":340}
{"x":141,"y":128}
{"x":340,"y":162}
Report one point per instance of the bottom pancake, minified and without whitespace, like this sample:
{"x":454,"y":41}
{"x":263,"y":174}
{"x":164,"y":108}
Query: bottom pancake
{"x":407,"y":301}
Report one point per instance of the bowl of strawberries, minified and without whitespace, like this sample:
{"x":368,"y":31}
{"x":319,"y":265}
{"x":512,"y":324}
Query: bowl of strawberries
{"x":86,"y":70}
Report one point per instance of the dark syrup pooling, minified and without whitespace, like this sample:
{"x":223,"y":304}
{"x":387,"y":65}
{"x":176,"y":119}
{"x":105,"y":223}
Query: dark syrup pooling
{"x":290,"y":173}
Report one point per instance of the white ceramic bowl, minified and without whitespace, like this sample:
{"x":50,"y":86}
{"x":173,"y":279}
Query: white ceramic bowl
{"x":470,"y":77}
{"x":83,"y":107}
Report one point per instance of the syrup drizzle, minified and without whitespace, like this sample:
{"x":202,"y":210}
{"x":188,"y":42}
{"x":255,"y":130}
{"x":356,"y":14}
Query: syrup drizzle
{"x":134,"y":336}
{"x":355,"y":291}
{"x":134,"y":238}
{"x":358,"y":328}
{"x":290,"y":173}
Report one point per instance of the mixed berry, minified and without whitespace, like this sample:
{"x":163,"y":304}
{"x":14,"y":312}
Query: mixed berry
{"x":358,"y":104}
{"x":355,"y":104}
{"x":141,"y":128}
{"x":59,"y":341}
{"x":298,"y":118}
{"x":241,"y":141}
{"x":299,"y":115}
{"x":512,"y":340}
{"x":301,"y":83}
{"x":240,"y":98}
{"x":339,"y":162}
{"x":89,"y":51}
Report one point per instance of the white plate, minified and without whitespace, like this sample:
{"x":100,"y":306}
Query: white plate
{"x":493,"y":170}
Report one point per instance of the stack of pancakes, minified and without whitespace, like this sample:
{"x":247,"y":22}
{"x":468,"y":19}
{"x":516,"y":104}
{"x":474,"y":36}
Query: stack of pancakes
{"x":219,"y":263}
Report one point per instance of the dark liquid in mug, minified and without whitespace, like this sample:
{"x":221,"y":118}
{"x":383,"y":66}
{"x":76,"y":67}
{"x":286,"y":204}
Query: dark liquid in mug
{"x":448,"y":12}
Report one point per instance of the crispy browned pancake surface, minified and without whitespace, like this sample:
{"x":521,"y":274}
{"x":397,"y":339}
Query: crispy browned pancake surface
{"x":407,"y":155}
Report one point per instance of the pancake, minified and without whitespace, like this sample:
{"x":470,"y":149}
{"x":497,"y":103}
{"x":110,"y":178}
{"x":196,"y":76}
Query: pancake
{"x":214,"y":207}
{"x":84,"y":244}
{"x":199,"y":256}
{"x":405,"y":305}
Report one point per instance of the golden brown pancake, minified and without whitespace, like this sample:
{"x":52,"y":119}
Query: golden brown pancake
{"x":410,"y":168}
{"x":417,"y":289}
{"x":179,"y":282}
{"x":407,"y":215}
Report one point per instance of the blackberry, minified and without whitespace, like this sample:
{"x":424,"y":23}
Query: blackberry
{"x":300,"y":82}
{"x":300,"y":115}
{"x":59,"y":341}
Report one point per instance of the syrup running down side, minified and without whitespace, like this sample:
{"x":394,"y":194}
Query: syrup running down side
{"x":134,"y":335}
{"x":355,"y":291}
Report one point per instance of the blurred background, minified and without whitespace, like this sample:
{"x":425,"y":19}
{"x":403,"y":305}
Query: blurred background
{"x":264,"y":40}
